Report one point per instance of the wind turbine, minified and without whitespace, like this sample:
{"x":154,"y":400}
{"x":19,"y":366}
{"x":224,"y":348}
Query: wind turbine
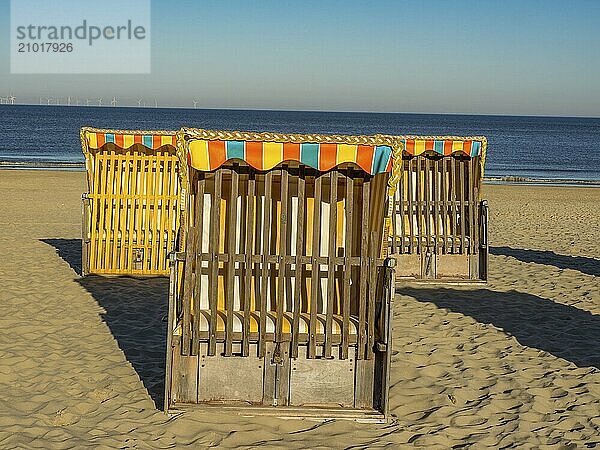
{"x":99,"y":101}
{"x":155,"y":103}
{"x":49,"y":100}
{"x":12,"y":99}
{"x":113,"y":102}
{"x":140,"y":102}
{"x":87,"y":102}
{"x":195,"y":104}
{"x":69,"y":100}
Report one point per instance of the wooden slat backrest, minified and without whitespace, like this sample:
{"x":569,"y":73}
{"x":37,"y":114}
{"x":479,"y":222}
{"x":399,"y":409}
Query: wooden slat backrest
{"x":266,"y":269}
{"x":132,"y":207}
{"x":436,"y":205}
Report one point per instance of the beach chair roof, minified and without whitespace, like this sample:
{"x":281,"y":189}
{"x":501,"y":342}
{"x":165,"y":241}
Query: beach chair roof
{"x":207,"y":150}
{"x":472,"y":146}
{"x":96,"y":138}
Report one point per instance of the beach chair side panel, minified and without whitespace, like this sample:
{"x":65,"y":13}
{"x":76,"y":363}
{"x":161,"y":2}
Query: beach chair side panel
{"x":131,"y":209}
{"x":438,"y":227}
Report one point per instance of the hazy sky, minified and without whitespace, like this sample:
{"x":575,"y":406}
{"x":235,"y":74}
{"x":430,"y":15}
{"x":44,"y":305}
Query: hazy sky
{"x":450,"y":56}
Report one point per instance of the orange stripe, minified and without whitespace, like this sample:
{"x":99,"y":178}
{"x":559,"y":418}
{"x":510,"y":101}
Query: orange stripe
{"x":447,"y":148}
{"x":101,"y":139}
{"x":410,"y":146}
{"x":156,"y":141}
{"x":254,"y":154}
{"x":291,"y":151}
{"x":327,"y":156}
{"x":137,"y":138}
{"x":467,"y":147}
{"x":119,"y":140}
{"x":364,"y":157}
{"x":429,"y":145}
{"x":216,"y":154}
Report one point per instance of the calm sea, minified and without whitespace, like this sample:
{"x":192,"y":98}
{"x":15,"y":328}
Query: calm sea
{"x":532,"y":148}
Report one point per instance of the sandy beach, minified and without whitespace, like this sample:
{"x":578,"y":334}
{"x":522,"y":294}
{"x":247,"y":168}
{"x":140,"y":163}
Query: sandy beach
{"x":514,"y":363}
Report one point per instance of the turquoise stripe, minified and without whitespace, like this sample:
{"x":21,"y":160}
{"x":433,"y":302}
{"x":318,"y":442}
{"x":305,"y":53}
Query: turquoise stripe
{"x":475,"y":148}
{"x":438,"y":147}
{"x":109,"y":137}
{"x":235,"y":149}
{"x":309,"y":155}
{"x":147,"y":140}
{"x":381,"y":159}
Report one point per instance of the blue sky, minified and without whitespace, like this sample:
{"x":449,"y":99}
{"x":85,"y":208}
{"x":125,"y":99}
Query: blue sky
{"x":535,"y":57}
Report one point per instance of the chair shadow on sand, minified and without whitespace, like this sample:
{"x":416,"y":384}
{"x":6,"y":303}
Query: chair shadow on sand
{"x":589,"y":266}
{"x":135,"y":308}
{"x":561,"y":330}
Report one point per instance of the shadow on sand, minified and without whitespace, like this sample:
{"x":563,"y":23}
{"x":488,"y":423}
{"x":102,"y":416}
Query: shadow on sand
{"x":589,"y":266}
{"x":563,"y":331}
{"x":135,"y":308}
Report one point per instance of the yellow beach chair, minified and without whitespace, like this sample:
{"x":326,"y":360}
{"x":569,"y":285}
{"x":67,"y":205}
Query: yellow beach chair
{"x":130,"y":212}
{"x":281,"y":290}
{"x":440,"y":222}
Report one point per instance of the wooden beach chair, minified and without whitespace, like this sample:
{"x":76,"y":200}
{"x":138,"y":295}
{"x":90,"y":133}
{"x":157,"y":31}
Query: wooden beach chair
{"x":440,"y":222}
{"x":281,"y":290}
{"x":130,"y":212}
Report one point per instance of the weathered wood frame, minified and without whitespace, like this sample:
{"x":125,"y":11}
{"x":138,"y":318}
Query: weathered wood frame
{"x":281,"y":367}
{"x":130,"y":211}
{"x":440,"y":221}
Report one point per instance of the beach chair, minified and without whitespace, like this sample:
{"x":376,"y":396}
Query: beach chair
{"x":280,"y":293}
{"x":130,"y":212}
{"x":440,"y":222}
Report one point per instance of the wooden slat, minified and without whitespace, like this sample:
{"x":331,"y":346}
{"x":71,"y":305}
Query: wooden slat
{"x":300,"y":232}
{"x":364,"y":271}
{"x":402,"y":206}
{"x":372,"y":292}
{"x":108,"y":217}
{"x":199,"y":231}
{"x":249,"y":248}
{"x":118,"y":191}
{"x":147,"y":225}
{"x":139,"y":215}
{"x":266,"y":241}
{"x":463,"y":209}
{"x":131,"y":210}
{"x":162,"y":211}
{"x":436,"y":208}
{"x":154,"y":219}
{"x":214,"y":239}
{"x":231,"y":227}
{"x":315,"y":276}
{"x":476,"y":205}
{"x":454,"y":227}
{"x":331,"y":253}
{"x":346,"y":299}
{"x":420,"y":207}
{"x":284,"y":223}
{"x":95,"y":203}
{"x":444,"y":198}
{"x":411,"y":218}
{"x":173,"y":205}
{"x":472,"y":228}
{"x":427,"y":203}
{"x":124,"y":260}
{"x":186,"y":331}
{"x":124,"y":212}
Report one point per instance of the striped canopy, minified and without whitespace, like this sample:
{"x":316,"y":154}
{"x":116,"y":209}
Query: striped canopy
{"x":416,"y":145}
{"x":207,"y":155}
{"x":124,"y":139}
